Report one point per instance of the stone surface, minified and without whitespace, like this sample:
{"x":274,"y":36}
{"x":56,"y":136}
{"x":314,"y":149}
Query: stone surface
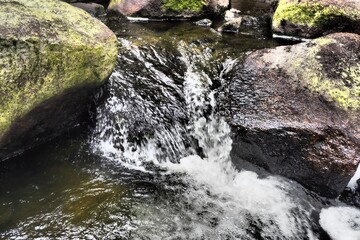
{"x":233,"y":25}
{"x":255,"y":8}
{"x":93,"y":9}
{"x":51,"y":56}
{"x":232,"y":14}
{"x":246,"y":24}
{"x":167,"y":8}
{"x":295,"y":111}
{"x":204,"y":22}
{"x":308,"y":18}
{"x":104,"y":3}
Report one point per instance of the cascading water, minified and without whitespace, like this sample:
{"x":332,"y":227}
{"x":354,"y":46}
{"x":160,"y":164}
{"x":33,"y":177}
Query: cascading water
{"x":157,"y":164}
{"x":224,"y":203}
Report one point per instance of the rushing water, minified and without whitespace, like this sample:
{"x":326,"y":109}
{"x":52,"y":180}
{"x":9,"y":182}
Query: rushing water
{"x":156,"y":164}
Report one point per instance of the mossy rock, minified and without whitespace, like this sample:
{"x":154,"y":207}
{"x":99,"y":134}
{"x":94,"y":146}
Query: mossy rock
{"x":47,"y":49}
{"x":168,"y":8}
{"x":295,"y":111}
{"x":307,"y":18}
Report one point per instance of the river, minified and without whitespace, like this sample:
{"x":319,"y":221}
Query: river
{"x":155,"y":161}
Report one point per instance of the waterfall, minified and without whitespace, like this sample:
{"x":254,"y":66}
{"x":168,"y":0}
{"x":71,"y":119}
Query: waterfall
{"x":233,"y":204}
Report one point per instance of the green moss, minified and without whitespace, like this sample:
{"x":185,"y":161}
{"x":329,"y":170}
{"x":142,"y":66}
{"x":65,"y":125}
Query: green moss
{"x":184,"y":5}
{"x":345,"y":94}
{"x":114,"y":3}
{"x":324,"y":41}
{"x":47,"y":48}
{"x":313,"y":14}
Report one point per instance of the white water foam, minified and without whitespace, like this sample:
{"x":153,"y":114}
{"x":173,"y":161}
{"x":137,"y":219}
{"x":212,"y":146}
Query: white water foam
{"x":341,"y":223}
{"x":353,"y":181}
{"x":240,"y":201}
{"x":242,"y":196}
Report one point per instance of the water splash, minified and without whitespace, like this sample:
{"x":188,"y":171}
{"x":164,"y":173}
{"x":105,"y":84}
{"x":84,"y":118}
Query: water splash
{"x":341,"y":223}
{"x":225,"y":203}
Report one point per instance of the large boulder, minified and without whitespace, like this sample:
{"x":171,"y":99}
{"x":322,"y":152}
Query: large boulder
{"x":295,"y":111}
{"x":309,"y":18}
{"x":168,"y":8}
{"x":51,"y":56}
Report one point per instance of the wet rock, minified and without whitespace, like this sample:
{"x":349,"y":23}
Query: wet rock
{"x":204,"y":22}
{"x":52,"y":56}
{"x":167,"y":8}
{"x":232,"y":14}
{"x":351,"y":197}
{"x":307,"y":18}
{"x":93,"y":9}
{"x":255,"y":7}
{"x":244,"y":23}
{"x":231,"y":26}
{"x":295,"y":111}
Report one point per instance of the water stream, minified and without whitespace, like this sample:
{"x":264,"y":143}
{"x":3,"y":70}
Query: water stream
{"x":156,"y":164}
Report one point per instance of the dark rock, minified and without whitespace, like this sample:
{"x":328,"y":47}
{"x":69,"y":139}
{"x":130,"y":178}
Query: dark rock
{"x":295,"y":111}
{"x":93,"y":9}
{"x":351,"y":197}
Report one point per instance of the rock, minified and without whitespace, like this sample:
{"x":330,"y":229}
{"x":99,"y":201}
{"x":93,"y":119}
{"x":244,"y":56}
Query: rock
{"x":244,"y":23}
{"x":350,"y":197}
{"x":295,"y":111}
{"x":307,"y":18}
{"x":168,"y":8}
{"x":231,"y":26}
{"x":232,"y":14}
{"x":217,"y":7}
{"x":255,"y":7}
{"x":204,"y":22}
{"x":249,"y":21}
{"x":105,"y":3}
{"x":93,"y":9}
{"x":51,"y":56}
{"x":69,"y":1}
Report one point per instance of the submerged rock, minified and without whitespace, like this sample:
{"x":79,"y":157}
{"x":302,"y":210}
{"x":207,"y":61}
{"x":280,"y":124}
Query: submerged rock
{"x":307,"y":18}
{"x":51,"y":56}
{"x":295,"y":111}
{"x":167,"y":8}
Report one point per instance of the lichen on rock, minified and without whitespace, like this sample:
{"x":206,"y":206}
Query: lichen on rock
{"x":46,"y":48}
{"x":308,"y":18}
{"x":295,"y":111}
{"x":168,"y":8}
{"x":184,"y":5}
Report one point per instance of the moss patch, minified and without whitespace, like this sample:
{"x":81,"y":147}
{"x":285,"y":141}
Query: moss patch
{"x":47,"y":47}
{"x":330,"y":68}
{"x":184,"y":5}
{"x":312,"y":14}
